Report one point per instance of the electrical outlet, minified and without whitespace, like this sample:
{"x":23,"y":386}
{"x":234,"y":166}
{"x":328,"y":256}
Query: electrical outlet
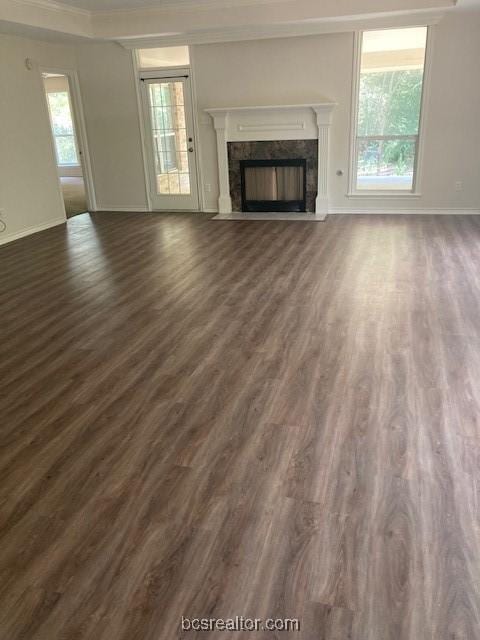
{"x":458,"y":185}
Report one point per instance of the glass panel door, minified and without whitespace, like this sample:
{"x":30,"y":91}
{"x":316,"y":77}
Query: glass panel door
{"x":171,"y":143}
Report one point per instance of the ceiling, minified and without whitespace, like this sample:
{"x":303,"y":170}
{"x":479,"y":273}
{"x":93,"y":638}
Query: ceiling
{"x":469,"y":4}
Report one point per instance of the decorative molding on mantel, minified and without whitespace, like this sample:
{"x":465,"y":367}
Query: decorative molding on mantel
{"x":265,"y":118}
{"x":323,"y":106}
{"x":273,"y":122}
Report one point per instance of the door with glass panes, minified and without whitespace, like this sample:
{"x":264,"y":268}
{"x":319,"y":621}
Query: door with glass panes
{"x":170,"y":143}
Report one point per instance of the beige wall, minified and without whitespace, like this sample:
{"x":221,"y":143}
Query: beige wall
{"x":452,"y":134}
{"x":111,"y":114}
{"x":29,"y":194}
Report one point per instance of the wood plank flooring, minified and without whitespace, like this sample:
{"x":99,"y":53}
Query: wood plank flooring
{"x":262,"y":419}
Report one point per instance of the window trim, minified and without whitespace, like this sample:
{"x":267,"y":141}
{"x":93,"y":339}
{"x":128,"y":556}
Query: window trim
{"x":353,"y":192}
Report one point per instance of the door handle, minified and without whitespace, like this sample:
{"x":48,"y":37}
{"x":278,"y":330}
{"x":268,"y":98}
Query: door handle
{"x":190,"y":149}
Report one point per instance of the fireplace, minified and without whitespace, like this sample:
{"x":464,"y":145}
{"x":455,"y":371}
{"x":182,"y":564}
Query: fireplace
{"x":273,"y":175}
{"x":274,"y":133}
{"x":273,"y":185}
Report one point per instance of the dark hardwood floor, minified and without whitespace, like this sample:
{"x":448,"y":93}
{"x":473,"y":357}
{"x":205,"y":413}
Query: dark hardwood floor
{"x":260,"y":419}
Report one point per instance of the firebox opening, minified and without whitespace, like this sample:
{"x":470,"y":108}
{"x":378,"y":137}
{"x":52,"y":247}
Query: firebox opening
{"x":274,"y":185}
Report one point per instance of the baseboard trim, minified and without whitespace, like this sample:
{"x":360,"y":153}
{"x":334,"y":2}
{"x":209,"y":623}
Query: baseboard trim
{"x":121,"y":209}
{"x":10,"y":237}
{"x":410,"y":212}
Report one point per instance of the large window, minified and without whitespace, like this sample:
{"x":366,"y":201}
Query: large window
{"x":62,"y":128}
{"x":388,"y":110}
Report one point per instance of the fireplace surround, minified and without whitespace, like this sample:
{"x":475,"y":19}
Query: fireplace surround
{"x":275,"y":153}
{"x":309,"y":123}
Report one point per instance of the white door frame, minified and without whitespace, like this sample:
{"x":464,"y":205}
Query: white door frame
{"x":80,"y":131}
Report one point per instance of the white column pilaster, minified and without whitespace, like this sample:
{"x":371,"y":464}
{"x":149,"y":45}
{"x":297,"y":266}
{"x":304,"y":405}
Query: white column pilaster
{"x":224,"y":200}
{"x":323,"y":124}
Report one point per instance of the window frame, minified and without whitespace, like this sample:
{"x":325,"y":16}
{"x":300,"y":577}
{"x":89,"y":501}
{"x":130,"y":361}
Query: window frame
{"x":415,"y":192}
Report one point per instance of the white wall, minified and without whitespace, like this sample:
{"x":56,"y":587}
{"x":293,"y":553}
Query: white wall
{"x":295,"y":70}
{"x":29,"y":193}
{"x":452,"y":135}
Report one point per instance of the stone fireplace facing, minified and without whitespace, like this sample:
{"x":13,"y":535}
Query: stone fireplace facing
{"x":274,"y":136}
{"x":286,"y":170}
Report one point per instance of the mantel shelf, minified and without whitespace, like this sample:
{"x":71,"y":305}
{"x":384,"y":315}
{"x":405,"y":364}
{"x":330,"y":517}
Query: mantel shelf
{"x":273,"y":107}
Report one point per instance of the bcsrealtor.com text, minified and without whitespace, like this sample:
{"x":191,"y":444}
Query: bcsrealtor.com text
{"x":240,"y":623}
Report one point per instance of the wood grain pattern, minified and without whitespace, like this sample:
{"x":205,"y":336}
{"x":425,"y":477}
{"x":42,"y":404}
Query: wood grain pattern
{"x":244,"y":418}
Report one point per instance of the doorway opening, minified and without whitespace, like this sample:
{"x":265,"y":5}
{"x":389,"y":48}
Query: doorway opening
{"x":67,"y":149}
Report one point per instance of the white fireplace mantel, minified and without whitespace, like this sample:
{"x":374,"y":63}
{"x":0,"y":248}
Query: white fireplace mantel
{"x":273,"y":122}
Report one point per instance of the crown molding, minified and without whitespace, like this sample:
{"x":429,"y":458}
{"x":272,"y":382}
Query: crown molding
{"x":51,"y":5}
{"x":168,"y":6}
{"x":419,"y":17}
{"x":113,"y":25}
{"x":186,"y":5}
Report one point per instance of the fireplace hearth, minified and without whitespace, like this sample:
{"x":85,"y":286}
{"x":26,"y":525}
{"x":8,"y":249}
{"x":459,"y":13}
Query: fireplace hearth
{"x":274,"y":185}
